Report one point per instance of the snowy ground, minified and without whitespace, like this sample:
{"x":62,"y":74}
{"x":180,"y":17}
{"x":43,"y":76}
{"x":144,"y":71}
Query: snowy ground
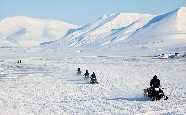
{"x":41,"y":86}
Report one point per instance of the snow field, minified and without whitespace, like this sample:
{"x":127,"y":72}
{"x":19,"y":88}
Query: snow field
{"x":41,"y":86}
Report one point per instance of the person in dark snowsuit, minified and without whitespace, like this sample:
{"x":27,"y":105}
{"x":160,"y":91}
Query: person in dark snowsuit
{"x":19,"y":61}
{"x":79,"y":71}
{"x":93,"y":78}
{"x":155,"y":92}
{"x":155,"y":82}
{"x":86,"y":74}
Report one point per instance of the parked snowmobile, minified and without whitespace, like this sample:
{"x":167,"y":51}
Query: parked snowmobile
{"x":161,"y":56}
{"x":93,"y":79}
{"x":78,"y":71}
{"x":155,"y":93}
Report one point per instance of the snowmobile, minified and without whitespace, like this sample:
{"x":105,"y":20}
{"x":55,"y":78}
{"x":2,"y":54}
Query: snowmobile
{"x":161,"y":56}
{"x":93,"y":80}
{"x":78,"y":71}
{"x":86,"y":74}
{"x":155,"y":93}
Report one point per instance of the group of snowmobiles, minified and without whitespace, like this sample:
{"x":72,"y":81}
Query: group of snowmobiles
{"x":93,"y":79}
{"x":154,"y":92}
{"x":175,"y":55}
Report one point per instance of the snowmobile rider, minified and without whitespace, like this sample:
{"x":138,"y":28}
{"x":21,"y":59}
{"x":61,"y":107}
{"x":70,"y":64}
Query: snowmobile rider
{"x":155,"y":91}
{"x":93,"y":78}
{"x":19,"y":61}
{"x":93,"y":75}
{"x":155,"y":82}
{"x":86,"y":74}
{"x":78,"y":71}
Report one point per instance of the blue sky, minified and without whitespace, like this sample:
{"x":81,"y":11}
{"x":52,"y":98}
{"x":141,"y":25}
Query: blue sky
{"x":83,"y":11}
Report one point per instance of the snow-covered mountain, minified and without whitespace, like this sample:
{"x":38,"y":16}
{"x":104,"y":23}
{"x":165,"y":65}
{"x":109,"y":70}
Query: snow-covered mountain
{"x":116,"y":32}
{"x":131,"y":31}
{"x":23,"y":31}
{"x":103,"y":31}
{"x":163,"y":31}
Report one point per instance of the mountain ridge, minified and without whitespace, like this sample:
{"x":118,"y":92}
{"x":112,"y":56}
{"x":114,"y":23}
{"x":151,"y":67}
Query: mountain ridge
{"x":119,"y":31}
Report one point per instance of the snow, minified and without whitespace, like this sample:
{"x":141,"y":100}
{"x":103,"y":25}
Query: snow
{"x":50,"y":86}
{"x":125,"y":50}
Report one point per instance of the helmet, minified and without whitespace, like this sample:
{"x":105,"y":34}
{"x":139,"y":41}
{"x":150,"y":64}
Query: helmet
{"x":155,"y":77}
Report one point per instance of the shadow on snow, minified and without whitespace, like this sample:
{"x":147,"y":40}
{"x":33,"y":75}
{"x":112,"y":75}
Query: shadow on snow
{"x":131,"y":99}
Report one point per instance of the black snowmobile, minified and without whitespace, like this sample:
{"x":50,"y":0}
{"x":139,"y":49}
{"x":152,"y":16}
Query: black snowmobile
{"x":93,"y":79}
{"x":155,"y":93}
{"x":86,"y":74}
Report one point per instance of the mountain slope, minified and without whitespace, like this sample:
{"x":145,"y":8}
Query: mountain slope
{"x":26,"y":32}
{"x":123,"y":32}
{"x":130,"y":32}
{"x":104,"y":30}
{"x":163,"y":31}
